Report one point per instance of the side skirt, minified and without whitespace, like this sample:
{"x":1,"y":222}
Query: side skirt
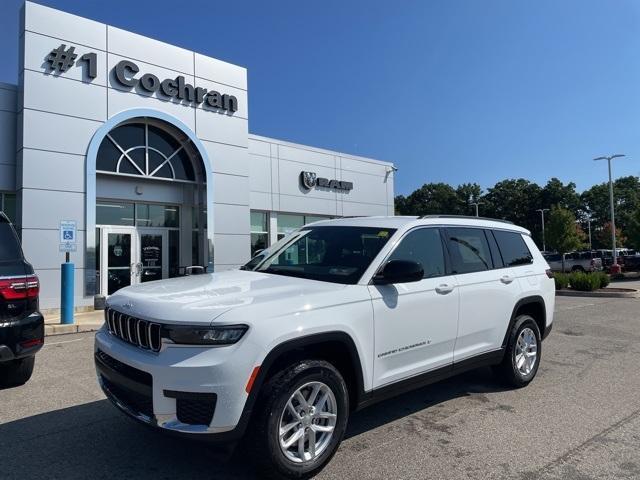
{"x":433,"y":376}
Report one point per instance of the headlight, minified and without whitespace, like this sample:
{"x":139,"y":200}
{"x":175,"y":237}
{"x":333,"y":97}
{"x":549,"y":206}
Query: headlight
{"x":218,"y":335}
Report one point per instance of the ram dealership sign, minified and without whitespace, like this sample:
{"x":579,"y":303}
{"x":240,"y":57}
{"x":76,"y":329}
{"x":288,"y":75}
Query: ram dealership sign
{"x":310,"y":180}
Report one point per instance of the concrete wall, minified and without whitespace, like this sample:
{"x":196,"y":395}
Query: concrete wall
{"x":8,"y":108}
{"x":274,"y":180}
{"x":59,"y":113}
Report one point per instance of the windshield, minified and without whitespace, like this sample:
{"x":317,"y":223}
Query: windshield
{"x":329,"y":254}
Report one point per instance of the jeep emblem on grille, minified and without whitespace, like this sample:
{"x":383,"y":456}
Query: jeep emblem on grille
{"x":128,"y":305}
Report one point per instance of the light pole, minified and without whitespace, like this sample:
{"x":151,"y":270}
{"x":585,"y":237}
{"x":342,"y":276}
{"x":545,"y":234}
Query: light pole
{"x":476,"y":205}
{"x":542,"y":210}
{"x":589,"y":226}
{"x":613,"y":219}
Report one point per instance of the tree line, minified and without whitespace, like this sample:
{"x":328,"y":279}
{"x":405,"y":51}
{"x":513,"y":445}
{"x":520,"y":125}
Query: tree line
{"x":518,"y":200}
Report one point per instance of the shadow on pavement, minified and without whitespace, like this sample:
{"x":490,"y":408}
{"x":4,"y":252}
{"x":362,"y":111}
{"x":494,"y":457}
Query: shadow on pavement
{"x":95,"y":441}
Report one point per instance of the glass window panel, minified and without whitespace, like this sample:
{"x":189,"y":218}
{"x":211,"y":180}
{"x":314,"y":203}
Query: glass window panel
{"x":174,"y":253}
{"x":108,"y":156}
{"x":114,"y":213}
{"x":259,"y":222}
{"x":130,"y":135}
{"x":9,"y":206}
{"x":289,"y":223}
{"x":513,"y":249}
{"x":162,"y":140}
{"x":259,"y":241}
{"x":155,"y":160}
{"x":9,"y":246}
{"x":164,"y":172}
{"x":195,"y":248}
{"x":138,"y":158}
{"x":469,"y":250}
{"x":182,"y":166}
{"x":157,"y":216}
{"x":425,"y":247}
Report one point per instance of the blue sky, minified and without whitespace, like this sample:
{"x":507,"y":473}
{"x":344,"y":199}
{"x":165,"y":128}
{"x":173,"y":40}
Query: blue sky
{"x":452,"y":91}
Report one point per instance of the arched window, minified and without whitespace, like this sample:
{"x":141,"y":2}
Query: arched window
{"x":148,"y":149}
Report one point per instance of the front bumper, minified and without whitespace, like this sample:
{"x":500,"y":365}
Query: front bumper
{"x":21,"y":338}
{"x":157,"y":388}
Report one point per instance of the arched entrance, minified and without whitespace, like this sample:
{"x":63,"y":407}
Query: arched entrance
{"x":148,"y":186}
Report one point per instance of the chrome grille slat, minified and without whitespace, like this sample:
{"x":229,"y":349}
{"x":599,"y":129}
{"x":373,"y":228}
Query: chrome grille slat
{"x":135,"y":331}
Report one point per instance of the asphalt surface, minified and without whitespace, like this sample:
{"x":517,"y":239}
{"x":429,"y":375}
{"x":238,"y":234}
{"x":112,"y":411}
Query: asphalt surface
{"x":579,"y":419}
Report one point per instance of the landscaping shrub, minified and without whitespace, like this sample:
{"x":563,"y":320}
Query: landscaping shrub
{"x":585,"y":282}
{"x":603,"y":279}
{"x":561,"y":279}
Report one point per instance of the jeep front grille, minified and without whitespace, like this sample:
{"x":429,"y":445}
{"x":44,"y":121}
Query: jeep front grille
{"x":138,"y":332}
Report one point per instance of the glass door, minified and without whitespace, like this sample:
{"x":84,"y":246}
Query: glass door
{"x":118,"y":247}
{"x":153,"y":261}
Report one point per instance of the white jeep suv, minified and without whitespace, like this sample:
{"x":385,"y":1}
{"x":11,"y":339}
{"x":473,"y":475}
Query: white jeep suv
{"x":336,"y":316}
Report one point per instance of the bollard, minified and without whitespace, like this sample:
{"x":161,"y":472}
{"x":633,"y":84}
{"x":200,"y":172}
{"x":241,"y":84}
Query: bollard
{"x":66,"y":293}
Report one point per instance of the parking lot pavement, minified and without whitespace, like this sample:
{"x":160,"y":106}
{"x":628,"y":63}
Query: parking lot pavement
{"x":580,"y":418}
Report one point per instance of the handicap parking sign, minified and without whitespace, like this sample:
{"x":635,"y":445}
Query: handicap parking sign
{"x":68,"y":236}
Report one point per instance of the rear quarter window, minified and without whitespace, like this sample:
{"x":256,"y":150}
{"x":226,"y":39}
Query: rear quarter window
{"x":513,"y":248}
{"x":9,"y":245}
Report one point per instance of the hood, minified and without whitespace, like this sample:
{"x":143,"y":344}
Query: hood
{"x":199,"y":299}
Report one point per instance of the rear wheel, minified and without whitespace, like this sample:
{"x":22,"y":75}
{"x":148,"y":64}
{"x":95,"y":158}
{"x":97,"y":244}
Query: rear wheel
{"x":522,"y":356}
{"x":301,"y":419}
{"x":16,"y":372}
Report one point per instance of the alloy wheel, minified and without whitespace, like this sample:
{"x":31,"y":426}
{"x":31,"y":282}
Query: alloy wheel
{"x":307,"y":422}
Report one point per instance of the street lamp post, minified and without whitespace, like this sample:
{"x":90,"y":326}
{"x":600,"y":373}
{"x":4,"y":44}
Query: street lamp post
{"x":542,"y":210}
{"x":614,"y":267}
{"x":476,"y":205}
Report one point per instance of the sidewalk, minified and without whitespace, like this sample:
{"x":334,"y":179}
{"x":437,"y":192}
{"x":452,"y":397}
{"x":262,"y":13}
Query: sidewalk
{"x":83,"y":322}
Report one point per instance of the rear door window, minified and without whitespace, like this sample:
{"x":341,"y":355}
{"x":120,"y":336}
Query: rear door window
{"x":469,"y":250}
{"x":513,"y":248}
{"x":9,"y":247}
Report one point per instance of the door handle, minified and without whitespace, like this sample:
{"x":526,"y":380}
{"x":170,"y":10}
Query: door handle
{"x":506,"y":279}
{"x":444,"y":288}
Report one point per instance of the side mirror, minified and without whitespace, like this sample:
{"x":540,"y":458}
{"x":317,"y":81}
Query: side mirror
{"x":399,"y":271}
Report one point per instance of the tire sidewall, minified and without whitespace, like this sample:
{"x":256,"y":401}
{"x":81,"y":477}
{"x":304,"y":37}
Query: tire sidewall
{"x":304,"y":373}
{"x":522,"y":322}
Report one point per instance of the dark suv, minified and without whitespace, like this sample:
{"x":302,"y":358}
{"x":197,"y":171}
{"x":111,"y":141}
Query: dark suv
{"x":21,"y":324}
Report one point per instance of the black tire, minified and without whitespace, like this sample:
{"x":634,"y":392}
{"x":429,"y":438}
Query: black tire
{"x":16,"y":372}
{"x":508,"y":370}
{"x":262,"y":438}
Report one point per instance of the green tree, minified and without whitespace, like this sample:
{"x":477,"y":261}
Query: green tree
{"x":562,"y":233}
{"x":626,"y":195}
{"x":633,"y":230}
{"x":430,"y":199}
{"x":557,"y":193}
{"x":467,"y":194}
{"x":514,"y":200}
{"x":603,"y":236}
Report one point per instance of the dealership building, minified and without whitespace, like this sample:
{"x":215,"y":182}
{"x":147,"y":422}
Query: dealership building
{"x":143,"y":148}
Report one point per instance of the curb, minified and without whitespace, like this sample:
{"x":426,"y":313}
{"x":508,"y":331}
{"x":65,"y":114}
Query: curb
{"x":59,"y":329}
{"x":597,"y":294}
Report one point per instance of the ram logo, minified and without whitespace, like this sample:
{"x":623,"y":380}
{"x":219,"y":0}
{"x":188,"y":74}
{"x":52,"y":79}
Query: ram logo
{"x":308,"y":179}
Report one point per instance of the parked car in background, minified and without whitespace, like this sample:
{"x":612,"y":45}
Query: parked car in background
{"x":632,"y":263}
{"x":21,"y":324}
{"x":586,"y":261}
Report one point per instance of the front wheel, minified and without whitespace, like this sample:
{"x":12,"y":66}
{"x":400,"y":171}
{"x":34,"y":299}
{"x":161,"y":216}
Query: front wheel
{"x":301,"y":420}
{"x":522,"y":356}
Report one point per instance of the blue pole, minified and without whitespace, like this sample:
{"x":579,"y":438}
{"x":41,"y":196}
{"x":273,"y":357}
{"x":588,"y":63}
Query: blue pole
{"x":66,"y":293}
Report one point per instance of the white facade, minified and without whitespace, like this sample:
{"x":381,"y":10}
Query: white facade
{"x":52,"y":125}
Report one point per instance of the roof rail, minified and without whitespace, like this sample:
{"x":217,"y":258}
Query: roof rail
{"x":470,"y":217}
